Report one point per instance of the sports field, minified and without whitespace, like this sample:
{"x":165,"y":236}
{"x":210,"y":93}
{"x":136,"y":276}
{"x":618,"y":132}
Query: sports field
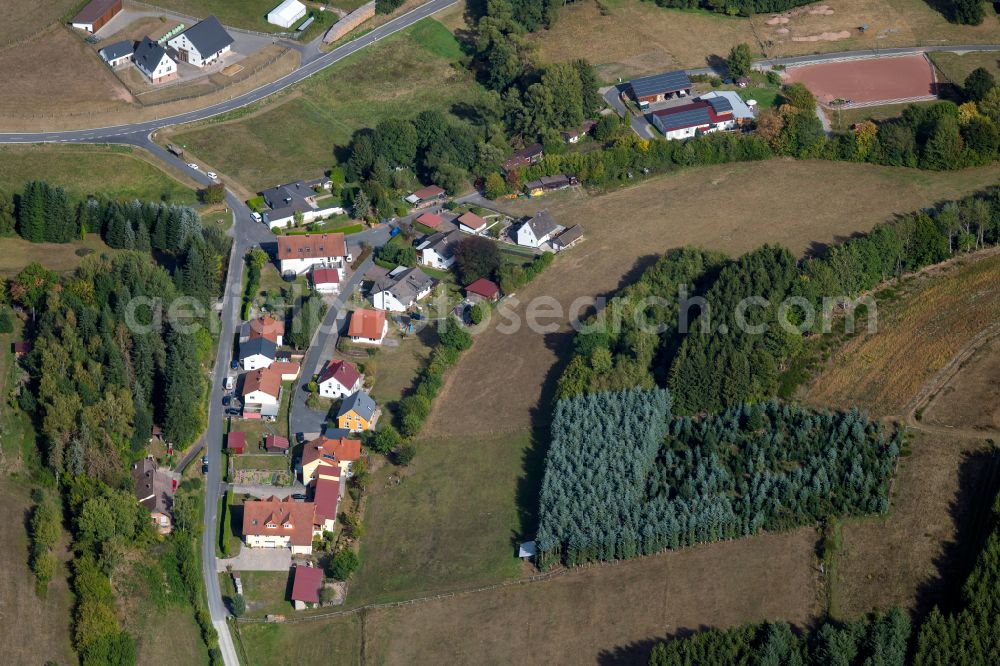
{"x":870,"y":81}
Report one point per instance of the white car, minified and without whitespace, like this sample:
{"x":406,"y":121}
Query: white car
{"x":212,"y":175}
{"x":256,"y":216}
{"x":192,"y":165}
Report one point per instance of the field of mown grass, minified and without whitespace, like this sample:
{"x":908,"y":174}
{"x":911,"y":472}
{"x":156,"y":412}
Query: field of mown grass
{"x":635,"y":37}
{"x":250,"y":14}
{"x":956,"y":67}
{"x":296,"y":137}
{"x":116,"y":171}
{"x":24,"y":18}
{"x":304,"y":642}
{"x":935,"y":317}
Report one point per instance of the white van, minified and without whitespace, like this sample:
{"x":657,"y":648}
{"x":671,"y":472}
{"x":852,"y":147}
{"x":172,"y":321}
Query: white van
{"x":229,"y":382}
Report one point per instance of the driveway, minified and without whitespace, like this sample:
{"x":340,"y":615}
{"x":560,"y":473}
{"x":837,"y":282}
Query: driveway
{"x":640,"y":125}
{"x":257,"y":559}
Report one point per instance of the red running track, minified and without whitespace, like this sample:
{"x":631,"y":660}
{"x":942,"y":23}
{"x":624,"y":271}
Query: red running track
{"x":872,"y":80}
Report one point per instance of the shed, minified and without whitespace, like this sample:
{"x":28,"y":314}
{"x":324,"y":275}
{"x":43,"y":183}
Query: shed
{"x":287,"y":13}
{"x":236,"y":442}
{"x":482,"y":290}
{"x":119,"y":53}
{"x":276,"y":444}
{"x":96,"y":14}
{"x":659,"y":87}
{"x":527,"y":550}
{"x":306,"y":586}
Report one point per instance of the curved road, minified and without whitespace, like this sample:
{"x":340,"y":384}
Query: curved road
{"x":306,"y":69}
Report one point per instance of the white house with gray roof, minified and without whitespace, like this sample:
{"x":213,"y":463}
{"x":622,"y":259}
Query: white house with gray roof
{"x":203,"y":43}
{"x":153,"y":61}
{"x":401,"y":289}
{"x":538,"y":230}
{"x":438,"y":251}
{"x":118,"y":54}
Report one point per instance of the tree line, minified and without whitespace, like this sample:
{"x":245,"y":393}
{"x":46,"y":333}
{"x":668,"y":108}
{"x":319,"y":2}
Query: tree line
{"x":718,"y":363}
{"x":623,"y":477}
{"x":965,"y":637}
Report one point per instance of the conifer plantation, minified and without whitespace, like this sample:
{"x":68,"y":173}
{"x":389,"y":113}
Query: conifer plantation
{"x":624,"y":478}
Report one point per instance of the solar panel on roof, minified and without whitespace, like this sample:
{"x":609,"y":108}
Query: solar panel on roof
{"x":684,"y":119}
{"x":720,"y":104}
{"x":660,"y":83}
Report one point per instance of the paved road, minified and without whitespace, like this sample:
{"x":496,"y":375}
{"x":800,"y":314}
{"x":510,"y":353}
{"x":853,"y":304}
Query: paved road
{"x":305,"y":70}
{"x":303,"y":419}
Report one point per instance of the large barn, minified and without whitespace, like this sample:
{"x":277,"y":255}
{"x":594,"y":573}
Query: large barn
{"x":659,"y":87}
{"x":96,"y":14}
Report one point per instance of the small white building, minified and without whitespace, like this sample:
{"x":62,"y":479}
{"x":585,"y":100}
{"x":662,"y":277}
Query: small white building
{"x":538,"y":230}
{"x":287,"y":14}
{"x":471,"y":223}
{"x":153,"y":61}
{"x":326,"y":280}
{"x":438,"y":251}
{"x":118,"y":54}
{"x":203,"y":43}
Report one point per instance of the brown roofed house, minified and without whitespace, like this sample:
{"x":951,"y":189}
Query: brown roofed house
{"x":306,"y":586}
{"x":368,"y":326}
{"x":155,"y":490}
{"x":329,"y":457}
{"x":279,"y":523}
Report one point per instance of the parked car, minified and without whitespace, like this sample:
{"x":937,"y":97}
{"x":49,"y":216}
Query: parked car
{"x":226,"y":399}
{"x":233,"y":411}
{"x":229,"y":382}
{"x":234,"y":364}
{"x":256,"y":216}
{"x":299,"y":497}
{"x":204,"y":464}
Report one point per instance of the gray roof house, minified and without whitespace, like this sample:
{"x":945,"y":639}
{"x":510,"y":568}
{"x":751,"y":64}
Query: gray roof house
{"x":258,"y":347}
{"x":538,"y":230}
{"x":401,"y":289}
{"x":119,"y":52}
{"x":148,"y":56}
{"x":203,"y":42}
{"x":438,"y":250}
{"x":361,"y":403}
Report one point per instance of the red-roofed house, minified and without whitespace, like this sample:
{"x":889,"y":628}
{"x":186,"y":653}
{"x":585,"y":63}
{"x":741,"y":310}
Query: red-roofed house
{"x":21,"y":348}
{"x":266,"y":327}
{"x":276,"y":444}
{"x":331,"y":458}
{"x":431,"y":220}
{"x":685,"y":121}
{"x":236,"y":442}
{"x":326,"y":280}
{"x":426,"y":196}
{"x":306,"y":585}
{"x":482,"y":290}
{"x":339,"y":379}
{"x":279,"y":523}
{"x":326,"y":497}
{"x":300,"y":254}
{"x":368,"y":327}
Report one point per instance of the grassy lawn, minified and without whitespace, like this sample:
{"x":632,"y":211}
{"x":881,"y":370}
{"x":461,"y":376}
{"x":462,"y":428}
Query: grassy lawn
{"x":956,"y":67}
{"x":219,"y":218}
{"x":274,"y":462}
{"x":23,"y":18}
{"x":60,"y":257}
{"x":421,"y":553}
{"x":393,"y":369}
{"x":842,"y":119}
{"x":257,"y":429}
{"x":251,"y":14}
{"x":400,"y":76}
{"x":152,"y":597}
{"x":118,"y":172}
{"x":17,"y":434}
{"x":303,"y":643}
{"x":48,"y":618}
{"x":267,"y":592}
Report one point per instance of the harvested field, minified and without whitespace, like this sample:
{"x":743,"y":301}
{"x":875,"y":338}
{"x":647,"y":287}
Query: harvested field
{"x":634,"y":37}
{"x":752,"y":204}
{"x":940,"y":313}
{"x":971,"y":399}
{"x":919,"y":552}
{"x":608,"y":614}
{"x":24,"y":18}
{"x":76,"y":81}
{"x":867,"y":81}
{"x":46,"y":621}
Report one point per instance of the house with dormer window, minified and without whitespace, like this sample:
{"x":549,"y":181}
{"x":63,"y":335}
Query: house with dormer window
{"x":279,"y":523}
